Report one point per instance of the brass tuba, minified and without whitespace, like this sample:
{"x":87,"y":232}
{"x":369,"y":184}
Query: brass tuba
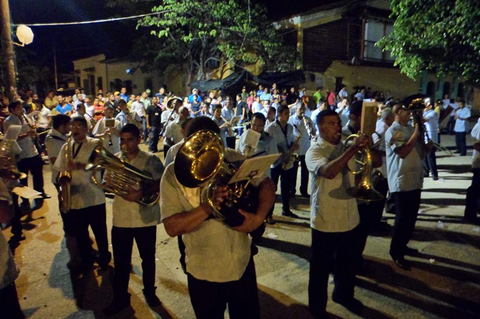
{"x":364,"y":189}
{"x":417,"y":104}
{"x":65,"y":178}
{"x":199,"y":162}
{"x":8,"y":164}
{"x":122,"y":175}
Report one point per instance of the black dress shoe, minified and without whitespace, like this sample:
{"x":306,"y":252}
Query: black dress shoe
{"x":354,"y":305}
{"x":115,"y":307}
{"x":411,"y":251}
{"x":152,"y":300}
{"x":402,"y":263}
{"x":288,"y":213}
{"x":270,"y":220}
{"x":46,"y":196}
{"x":306,"y":195}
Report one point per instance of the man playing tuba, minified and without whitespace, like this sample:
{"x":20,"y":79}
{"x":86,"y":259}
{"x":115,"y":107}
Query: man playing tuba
{"x":134,"y":221}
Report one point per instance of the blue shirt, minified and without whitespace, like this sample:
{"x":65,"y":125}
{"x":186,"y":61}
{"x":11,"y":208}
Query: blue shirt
{"x":461,"y":125}
{"x":403,"y":174}
{"x":65,"y":109}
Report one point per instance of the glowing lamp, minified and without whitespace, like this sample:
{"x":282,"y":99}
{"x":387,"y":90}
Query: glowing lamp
{"x":24,"y":34}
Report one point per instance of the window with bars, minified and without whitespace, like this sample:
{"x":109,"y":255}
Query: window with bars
{"x":374,"y":31}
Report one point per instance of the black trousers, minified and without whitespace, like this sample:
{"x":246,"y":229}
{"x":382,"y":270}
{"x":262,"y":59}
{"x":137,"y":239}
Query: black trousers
{"x":303,"y":176}
{"x":35,"y":166}
{"x":122,"y":241}
{"x":76,"y":224}
{"x":335,"y":253}
{"x":430,"y":163}
{"x":210,"y":299}
{"x":286,"y":180}
{"x":230,"y":141}
{"x":471,"y":204}
{"x":461,"y":141}
{"x":406,"y":205}
{"x":9,"y":305}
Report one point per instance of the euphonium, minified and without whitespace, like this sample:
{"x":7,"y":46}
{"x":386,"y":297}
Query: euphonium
{"x":65,"y":178}
{"x":8,"y":165}
{"x":200,"y":162}
{"x":417,"y":104}
{"x":364,"y":189}
{"x":122,"y":175}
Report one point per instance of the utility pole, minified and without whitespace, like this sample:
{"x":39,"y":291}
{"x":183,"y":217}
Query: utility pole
{"x":7,"y":46}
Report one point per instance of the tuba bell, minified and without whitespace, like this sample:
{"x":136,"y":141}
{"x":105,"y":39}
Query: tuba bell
{"x":200,"y":162}
{"x":364,"y":189}
{"x":8,"y":165}
{"x":122,"y":175}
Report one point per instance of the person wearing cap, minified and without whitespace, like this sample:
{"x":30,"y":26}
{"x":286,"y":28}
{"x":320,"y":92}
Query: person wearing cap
{"x":405,"y":180}
{"x":194,"y":92}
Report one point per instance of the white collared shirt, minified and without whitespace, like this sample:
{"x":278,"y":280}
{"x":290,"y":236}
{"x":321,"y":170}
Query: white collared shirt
{"x":127,"y":214}
{"x":83,"y":191}
{"x":26,"y":144}
{"x":54,"y":142}
{"x":100,"y":128}
{"x":332,"y":209}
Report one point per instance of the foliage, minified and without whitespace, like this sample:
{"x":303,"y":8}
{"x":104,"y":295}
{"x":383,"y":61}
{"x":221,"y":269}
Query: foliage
{"x":211,"y":33}
{"x":442,"y":36}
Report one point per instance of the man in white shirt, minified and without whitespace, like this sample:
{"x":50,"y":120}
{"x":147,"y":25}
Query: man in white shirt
{"x":87,"y":199}
{"x":210,"y":243}
{"x":108,"y":130}
{"x":134,"y":222}
{"x":431,"y":125}
{"x":462,"y":115}
{"x":334,"y":218}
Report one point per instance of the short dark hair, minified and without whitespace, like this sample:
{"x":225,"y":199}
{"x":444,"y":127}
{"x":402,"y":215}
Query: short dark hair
{"x":321,"y":116}
{"x":260,"y":116}
{"x":282,"y":107}
{"x":14,"y":104}
{"x":81,"y":120}
{"x":201,"y":123}
{"x":217,"y":106}
{"x":132,"y":129}
{"x":59,"y":120}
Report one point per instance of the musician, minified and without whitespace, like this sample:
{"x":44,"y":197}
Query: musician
{"x":124,"y":116}
{"x":219,"y":261}
{"x":54,"y":141}
{"x":87,"y":200}
{"x":110,"y":135}
{"x":304,"y":129}
{"x":334,"y":217}
{"x":133,"y":221}
{"x":29,"y":159}
{"x":266,"y":146}
{"x":82,"y":113}
{"x":173,"y":131}
{"x":170,"y":114}
{"x":405,"y":180}
{"x":8,"y":270}
{"x":282,"y":132}
{"x":431,"y":125}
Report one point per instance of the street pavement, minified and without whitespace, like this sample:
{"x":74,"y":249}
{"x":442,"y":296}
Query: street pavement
{"x":444,"y":281}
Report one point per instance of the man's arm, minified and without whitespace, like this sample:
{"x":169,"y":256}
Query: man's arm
{"x":406,"y":148}
{"x":332,"y":168}
{"x":266,"y":192}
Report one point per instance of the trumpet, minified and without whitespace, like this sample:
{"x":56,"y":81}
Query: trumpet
{"x":364,"y":189}
{"x":122,"y":176}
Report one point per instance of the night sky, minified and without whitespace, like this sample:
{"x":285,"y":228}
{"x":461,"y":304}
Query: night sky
{"x":112,"y":38}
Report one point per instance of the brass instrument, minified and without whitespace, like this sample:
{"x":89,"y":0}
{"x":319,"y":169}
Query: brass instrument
{"x":364,"y":189}
{"x":417,"y":103}
{"x":290,"y":156}
{"x":8,"y":164}
{"x":309,"y":128}
{"x":199,"y":162}
{"x":122,"y":175}
{"x":65,"y":178}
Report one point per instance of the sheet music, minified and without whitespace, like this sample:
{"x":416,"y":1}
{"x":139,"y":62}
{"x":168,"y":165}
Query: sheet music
{"x":254,"y":167}
{"x":252,"y":138}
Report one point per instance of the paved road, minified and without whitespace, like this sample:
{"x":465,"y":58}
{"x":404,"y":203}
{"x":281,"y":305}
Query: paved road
{"x":444,"y":281}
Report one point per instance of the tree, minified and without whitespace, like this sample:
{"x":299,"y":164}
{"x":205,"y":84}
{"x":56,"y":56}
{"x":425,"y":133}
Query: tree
{"x":210,"y":34}
{"x":442,"y":36}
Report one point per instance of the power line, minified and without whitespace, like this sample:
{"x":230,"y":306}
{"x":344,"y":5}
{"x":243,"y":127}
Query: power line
{"x":92,"y":21}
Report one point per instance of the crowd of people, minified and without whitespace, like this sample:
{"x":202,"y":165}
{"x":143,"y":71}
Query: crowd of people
{"x":308,"y":133}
